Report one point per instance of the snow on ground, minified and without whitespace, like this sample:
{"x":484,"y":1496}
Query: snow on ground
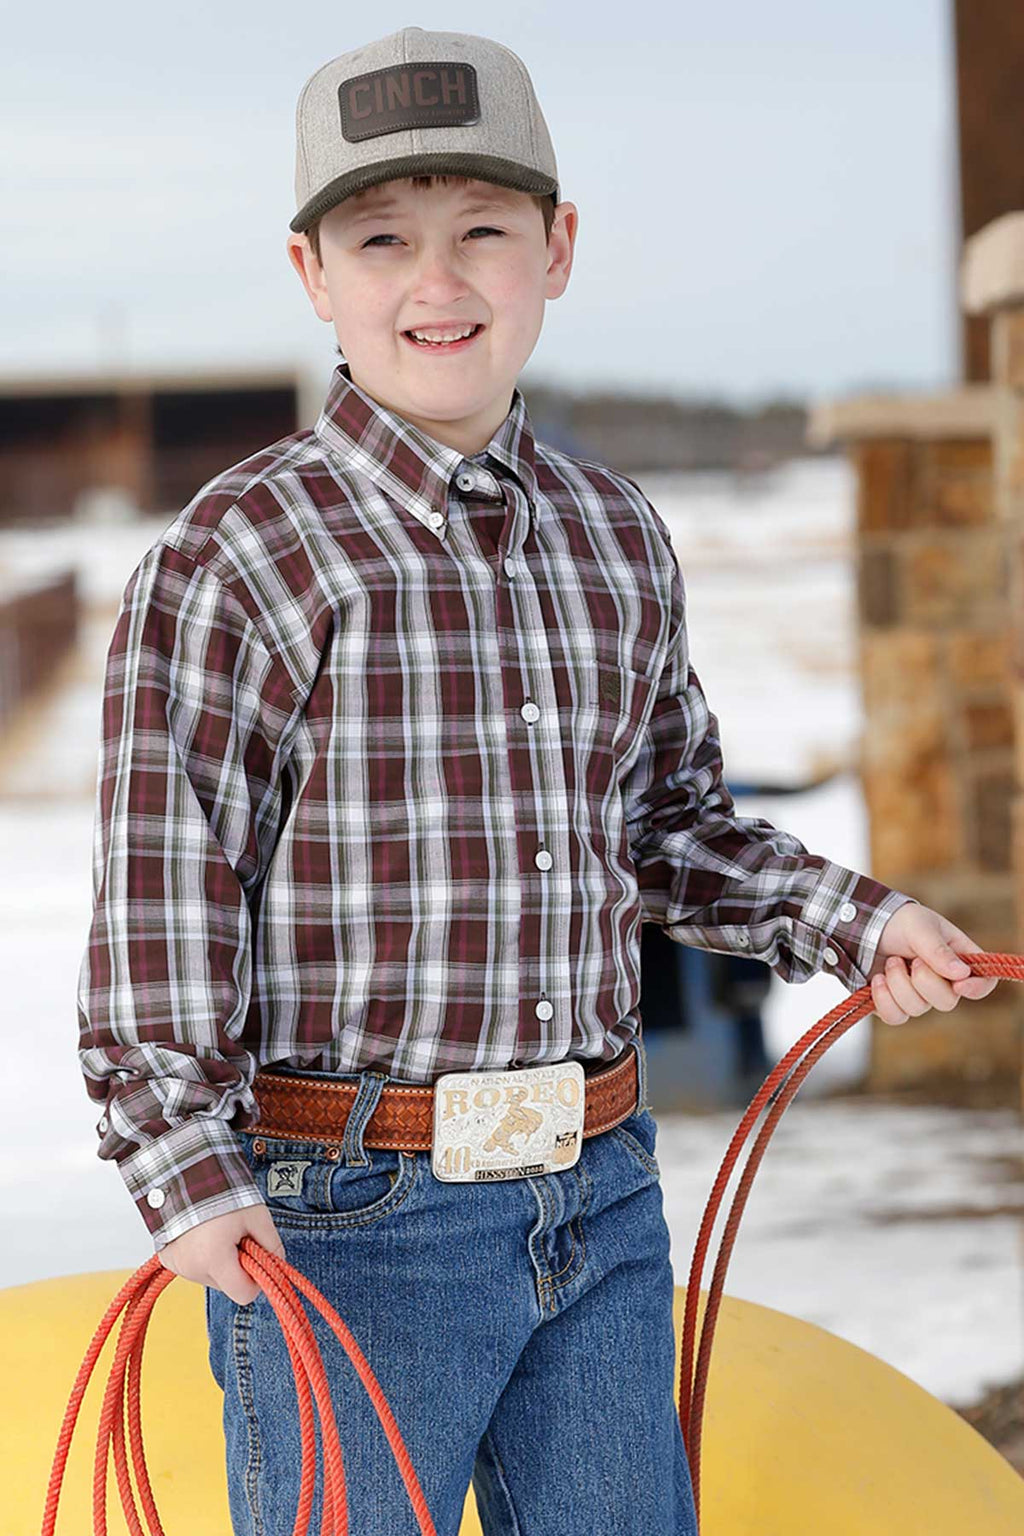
{"x":886,"y":1224}
{"x":874,"y":1220}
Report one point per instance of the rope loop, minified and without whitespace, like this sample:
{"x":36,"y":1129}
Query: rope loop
{"x":781,"y":1084}
{"x":280,"y":1282}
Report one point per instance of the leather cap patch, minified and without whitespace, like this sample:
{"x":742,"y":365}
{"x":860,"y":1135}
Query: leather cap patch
{"x":408,"y":96}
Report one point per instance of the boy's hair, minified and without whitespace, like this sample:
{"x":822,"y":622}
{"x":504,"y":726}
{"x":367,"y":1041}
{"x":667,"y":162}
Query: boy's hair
{"x":545,"y":202}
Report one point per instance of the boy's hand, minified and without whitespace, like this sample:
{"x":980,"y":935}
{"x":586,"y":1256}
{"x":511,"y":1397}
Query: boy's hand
{"x":934,"y":979}
{"x":208,"y":1253}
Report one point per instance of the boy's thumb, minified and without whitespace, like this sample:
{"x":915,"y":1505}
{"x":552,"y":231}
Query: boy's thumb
{"x":262,"y":1227}
{"x":956,"y":968}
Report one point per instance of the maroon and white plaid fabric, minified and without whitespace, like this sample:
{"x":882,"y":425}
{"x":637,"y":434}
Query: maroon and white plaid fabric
{"x":376,"y":791}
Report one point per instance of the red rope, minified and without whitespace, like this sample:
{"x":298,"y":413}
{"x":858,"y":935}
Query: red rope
{"x":278,"y":1280}
{"x":816,"y":1041}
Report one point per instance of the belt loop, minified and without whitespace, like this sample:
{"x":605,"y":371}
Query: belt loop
{"x":641,"y":1073}
{"x":371,"y":1086}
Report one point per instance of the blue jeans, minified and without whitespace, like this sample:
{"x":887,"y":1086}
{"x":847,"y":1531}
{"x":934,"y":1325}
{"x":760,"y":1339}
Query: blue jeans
{"x":521,"y":1330}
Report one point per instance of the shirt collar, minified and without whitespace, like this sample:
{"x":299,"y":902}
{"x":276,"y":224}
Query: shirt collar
{"x":408,"y":464}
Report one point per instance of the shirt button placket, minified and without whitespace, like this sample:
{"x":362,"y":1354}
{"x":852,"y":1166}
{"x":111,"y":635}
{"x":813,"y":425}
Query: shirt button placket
{"x":529,"y":710}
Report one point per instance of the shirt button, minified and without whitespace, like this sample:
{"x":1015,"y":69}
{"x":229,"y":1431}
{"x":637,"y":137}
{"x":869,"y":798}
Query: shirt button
{"x":510,"y":567}
{"x":544,"y":1010}
{"x":530,"y":712}
{"x":543,"y":860}
{"x":104,"y":1123}
{"x":155,"y":1198}
{"x":744,"y":940}
{"x":465,"y":482}
{"x":848,"y":912}
{"x":831,"y":958}
{"x":436,"y":519}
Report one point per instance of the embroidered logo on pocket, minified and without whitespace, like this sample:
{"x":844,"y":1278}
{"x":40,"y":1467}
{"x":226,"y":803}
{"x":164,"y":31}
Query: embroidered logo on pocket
{"x":286,"y":1178}
{"x":608,"y":688}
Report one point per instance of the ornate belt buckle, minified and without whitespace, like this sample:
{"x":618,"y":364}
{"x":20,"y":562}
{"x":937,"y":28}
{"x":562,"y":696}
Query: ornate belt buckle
{"x":507,"y":1124}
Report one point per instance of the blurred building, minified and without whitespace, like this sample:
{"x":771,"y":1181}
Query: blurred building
{"x":155,"y":438}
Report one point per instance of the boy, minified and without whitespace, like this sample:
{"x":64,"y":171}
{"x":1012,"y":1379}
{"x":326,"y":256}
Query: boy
{"x":401,"y":742}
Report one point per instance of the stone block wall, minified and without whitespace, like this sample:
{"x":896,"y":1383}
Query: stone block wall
{"x":939,"y":749}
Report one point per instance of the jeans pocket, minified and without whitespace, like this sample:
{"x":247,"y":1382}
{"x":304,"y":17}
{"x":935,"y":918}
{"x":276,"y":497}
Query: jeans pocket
{"x":638,"y":1133}
{"x":305,"y":1188}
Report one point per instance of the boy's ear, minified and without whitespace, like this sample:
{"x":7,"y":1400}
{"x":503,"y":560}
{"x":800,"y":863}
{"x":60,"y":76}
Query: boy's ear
{"x":311,"y":273}
{"x":561,"y":247}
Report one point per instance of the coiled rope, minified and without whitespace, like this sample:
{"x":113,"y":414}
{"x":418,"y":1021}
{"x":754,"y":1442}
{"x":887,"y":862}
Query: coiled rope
{"x":816,"y":1042}
{"x":279,"y":1280}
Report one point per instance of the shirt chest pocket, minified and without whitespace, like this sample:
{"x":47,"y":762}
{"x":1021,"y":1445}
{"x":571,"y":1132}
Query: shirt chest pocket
{"x":615,"y":700}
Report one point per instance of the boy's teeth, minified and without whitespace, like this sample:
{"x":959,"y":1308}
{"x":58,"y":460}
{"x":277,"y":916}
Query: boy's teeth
{"x":442,"y":336}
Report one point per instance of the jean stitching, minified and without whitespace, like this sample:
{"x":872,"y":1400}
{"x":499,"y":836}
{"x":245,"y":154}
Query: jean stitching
{"x":243,"y":1366}
{"x":502,"y":1480}
{"x":546,"y":1284}
{"x":326,"y":1221}
{"x":537,"y":1189}
{"x":553,"y":1281}
{"x":578,"y":1219}
{"x":631,"y":1144}
{"x":371,"y":1086}
{"x":554,"y":1273}
{"x":557,"y":1284}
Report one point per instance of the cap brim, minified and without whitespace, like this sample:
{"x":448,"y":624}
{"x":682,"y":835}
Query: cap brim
{"x":505,"y":173}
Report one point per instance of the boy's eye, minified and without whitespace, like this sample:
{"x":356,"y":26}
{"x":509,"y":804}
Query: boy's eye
{"x":476,"y":230}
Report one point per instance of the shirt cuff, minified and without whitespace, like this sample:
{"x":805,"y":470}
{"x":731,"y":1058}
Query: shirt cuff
{"x":191,"y":1173}
{"x":846,"y":913}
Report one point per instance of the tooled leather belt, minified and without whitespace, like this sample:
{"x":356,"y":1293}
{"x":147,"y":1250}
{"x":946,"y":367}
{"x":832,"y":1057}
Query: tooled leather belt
{"x":296,"y":1107}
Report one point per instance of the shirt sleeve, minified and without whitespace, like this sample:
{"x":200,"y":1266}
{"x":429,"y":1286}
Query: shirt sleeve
{"x":188,"y":797}
{"x":735,"y":884}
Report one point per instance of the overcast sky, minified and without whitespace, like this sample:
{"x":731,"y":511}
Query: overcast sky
{"x":767,"y":193}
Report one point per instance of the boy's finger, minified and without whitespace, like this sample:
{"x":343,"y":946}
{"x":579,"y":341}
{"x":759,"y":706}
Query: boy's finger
{"x":885,"y":1005}
{"x":975,"y":987}
{"x":948,"y":963}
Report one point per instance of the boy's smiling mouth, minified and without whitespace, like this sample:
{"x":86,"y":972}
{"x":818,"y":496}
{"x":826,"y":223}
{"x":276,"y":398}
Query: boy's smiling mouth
{"x":442,"y":338}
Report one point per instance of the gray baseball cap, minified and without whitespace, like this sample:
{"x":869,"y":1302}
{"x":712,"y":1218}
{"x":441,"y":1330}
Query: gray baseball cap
{"x":418,"y":103}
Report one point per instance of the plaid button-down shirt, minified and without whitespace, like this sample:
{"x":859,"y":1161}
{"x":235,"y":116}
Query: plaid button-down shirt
{"x":375,"y":793}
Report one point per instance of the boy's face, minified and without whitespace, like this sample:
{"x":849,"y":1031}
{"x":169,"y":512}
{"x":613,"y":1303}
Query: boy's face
{"x":398,"y":257}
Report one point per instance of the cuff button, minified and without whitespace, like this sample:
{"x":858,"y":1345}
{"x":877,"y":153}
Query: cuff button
{"x":155,"y":1198}
{"x":831,"y":958}
{"x":848,"y":912}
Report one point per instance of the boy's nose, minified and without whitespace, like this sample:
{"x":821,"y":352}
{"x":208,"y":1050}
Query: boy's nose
{"x":440,"y":266}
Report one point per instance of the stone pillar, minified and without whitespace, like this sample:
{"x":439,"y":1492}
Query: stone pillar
{"x":992,"y":286}
{"x":937,"y":753}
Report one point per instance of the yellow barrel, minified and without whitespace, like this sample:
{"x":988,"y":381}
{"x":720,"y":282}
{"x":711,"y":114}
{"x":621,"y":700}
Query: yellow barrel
{"x":803,"y":1433}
